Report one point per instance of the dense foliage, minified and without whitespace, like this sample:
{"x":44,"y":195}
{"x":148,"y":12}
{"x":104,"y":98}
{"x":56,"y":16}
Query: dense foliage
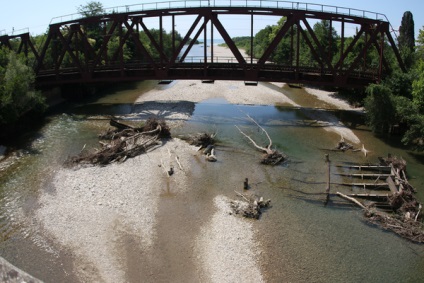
{"x":396,"y":105}
{"x":405,"y":91}
{"x":17,"y":94}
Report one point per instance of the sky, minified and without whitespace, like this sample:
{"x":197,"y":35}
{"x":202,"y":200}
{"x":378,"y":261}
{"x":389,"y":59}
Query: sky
{"x":34,"y":16}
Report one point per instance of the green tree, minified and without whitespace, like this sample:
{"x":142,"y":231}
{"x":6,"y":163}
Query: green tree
{"x":91,"y":9}
{"x":327,"y":38}
{"x":379,"y":108}
{"x":406,"y":39}
{"x":400,"y":83}
{"x":261,"y":41}
{"x":93,"y":30}
{"x":17,"y":94}
{"x":418,"y":88}
{"x":414,"y":136}
{"x":281,"y":54}
{"x":420,"y":44}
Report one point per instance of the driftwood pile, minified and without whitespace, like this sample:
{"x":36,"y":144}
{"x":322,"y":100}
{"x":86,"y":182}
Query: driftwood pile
{"x":343,"y":145}
{"x":271,"y":156}
{"x":406,"y":218}
{"x":250,"y":206}
{"x":123,"y":142}
{"x":201,"y":140}
{"x":405,"y":227}
{"x":206,"y":142}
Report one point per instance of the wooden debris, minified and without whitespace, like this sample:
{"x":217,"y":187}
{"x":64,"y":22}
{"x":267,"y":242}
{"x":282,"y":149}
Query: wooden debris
{"x":179,"y":163}
{"x":271,"y":156}
{"x":202,"y":140}
{"x":363,"y":176}
{"x":405,"y":227}
{"x":206,"y":141}
{"x":343,"y":145}
{"x":327,"y":190}
{"x":123,"y":143}
{"x":405,"y":216}
{"x":250,"y":206}
{"x":366,"y":167}
{"x":211,"y":156}
{"x":246,"y":184}
{"x":370,"y":196}
{"x":351,"y":199}
{"x":365,"y":185}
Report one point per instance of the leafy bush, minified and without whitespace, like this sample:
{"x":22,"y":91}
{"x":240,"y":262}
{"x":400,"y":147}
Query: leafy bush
{"x":17,"y":93}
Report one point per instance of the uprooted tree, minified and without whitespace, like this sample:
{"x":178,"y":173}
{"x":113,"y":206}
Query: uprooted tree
{"x":271,"y":156}
{"x":123,"y":142}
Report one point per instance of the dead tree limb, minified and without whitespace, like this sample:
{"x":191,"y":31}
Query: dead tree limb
{"x":351,"y":199}
{"x":263,"y":149}
{"x":263,"y":130}
{"x":272,"y":156}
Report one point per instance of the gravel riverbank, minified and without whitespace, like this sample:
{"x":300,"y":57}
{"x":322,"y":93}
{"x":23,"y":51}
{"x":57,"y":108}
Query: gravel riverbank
{"x":92,"y":210}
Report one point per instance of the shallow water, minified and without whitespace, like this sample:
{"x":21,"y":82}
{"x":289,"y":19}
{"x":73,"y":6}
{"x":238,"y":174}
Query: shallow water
{"x":302,"y":240}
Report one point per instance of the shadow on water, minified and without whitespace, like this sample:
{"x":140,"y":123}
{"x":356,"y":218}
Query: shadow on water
{"x":350,"y":118}
{"x":419,"y":157}
{"x":170,"y":111}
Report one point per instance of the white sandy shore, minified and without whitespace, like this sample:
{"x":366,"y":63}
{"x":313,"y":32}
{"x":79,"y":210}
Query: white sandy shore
{"x":331,"y":97}
{"x":227,"y":247}
{"x":90,"y":208}
{"x":235,"y":92}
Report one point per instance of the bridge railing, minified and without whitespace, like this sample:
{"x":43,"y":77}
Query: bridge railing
{"x":14,"y":31}
{"x":273,"y":4}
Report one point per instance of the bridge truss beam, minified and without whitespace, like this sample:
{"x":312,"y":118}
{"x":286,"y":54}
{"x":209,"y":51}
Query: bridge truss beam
{"x":71,"y":55}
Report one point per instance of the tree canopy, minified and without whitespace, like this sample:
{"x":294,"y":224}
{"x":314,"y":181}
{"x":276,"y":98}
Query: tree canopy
{"x":17,"y":94}
{"x":406,"y":37}
{"x":92,"y":8}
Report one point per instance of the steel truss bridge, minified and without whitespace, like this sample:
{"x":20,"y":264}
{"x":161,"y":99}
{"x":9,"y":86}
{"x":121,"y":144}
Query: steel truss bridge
{"x":68,"y":40}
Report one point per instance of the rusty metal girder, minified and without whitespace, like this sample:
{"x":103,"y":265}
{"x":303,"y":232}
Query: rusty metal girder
{"x":68,"y":41}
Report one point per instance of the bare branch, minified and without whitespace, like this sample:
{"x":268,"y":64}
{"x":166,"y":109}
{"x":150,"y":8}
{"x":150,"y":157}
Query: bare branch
{"x":266,"y":133}
{"x":266,"y":150}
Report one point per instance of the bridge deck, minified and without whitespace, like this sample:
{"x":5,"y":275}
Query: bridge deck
{"x":210,"y":71}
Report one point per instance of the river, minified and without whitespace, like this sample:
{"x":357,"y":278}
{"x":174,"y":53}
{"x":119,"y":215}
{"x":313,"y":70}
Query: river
{"x":302,"y":240}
